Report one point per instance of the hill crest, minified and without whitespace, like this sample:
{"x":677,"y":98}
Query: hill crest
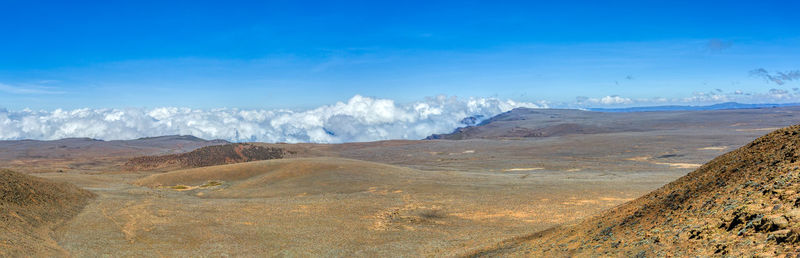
{"x":206,"y":156}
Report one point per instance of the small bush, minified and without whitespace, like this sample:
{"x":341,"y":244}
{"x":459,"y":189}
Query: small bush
{"x":431,"y":214}
{"x":211,"y":183}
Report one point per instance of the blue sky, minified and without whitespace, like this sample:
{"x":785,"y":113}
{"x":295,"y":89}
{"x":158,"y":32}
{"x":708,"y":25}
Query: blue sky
{"x":303,"y":54}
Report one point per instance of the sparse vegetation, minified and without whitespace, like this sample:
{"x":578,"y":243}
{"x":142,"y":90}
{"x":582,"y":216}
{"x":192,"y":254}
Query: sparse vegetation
{"x":179,"y":187}
{"x":211,"y":184}
{"x":431,"y":214}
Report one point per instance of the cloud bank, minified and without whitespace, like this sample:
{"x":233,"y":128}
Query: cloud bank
{"x":358,"y":119}
{"x":610,"y":100}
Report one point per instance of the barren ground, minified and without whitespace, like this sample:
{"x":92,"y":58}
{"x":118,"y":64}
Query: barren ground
{"x":435,"y":197}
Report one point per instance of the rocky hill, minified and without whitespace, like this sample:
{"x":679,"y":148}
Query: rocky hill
{"x":30,"y":207}
{"x":206,"y":156}
{"x":743,"y":203}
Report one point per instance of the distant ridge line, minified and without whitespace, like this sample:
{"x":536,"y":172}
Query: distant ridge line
{"x":720,"y":106}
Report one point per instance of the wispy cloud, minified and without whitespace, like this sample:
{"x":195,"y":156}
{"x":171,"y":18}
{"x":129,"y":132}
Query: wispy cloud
{"x":28,"y":90}
{"x":718,"y":45}
{"x":779,"y":78}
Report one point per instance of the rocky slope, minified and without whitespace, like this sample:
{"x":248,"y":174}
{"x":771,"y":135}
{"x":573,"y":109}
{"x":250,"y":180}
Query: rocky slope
{"x":30,"y":207}
{"x":206,"y":156}
{"x":743,"y":203}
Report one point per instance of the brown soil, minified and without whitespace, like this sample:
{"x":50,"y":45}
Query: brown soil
{"x":743,"y":203}
{"x":284,"y":177}
{"x":30,"y":208}
{"x":206,"y":156}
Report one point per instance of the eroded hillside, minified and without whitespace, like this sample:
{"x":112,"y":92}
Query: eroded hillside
{"x":742,"y":203}
{"x":30,"y":207}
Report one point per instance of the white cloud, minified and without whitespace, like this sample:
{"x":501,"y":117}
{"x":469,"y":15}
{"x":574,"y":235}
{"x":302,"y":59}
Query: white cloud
{"x":779,"y":94}
{"x":613,"y":100}
{"x":358,"y":119}
{"x":697,"y":98}
{"x":607,"y":100}
{"x":28,"y":90}
{"x":707,"y":97}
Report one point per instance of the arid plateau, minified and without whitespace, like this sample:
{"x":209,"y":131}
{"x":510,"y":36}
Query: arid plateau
{"x":525,"y":182}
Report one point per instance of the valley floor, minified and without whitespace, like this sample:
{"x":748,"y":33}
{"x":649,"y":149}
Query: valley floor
{"x":429,"y":213}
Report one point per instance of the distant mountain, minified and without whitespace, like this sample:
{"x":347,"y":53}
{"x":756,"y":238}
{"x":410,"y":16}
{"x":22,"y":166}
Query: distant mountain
{"x":537,"y":123}
{"x":526,"y":122}
{"x":720,"y":106}
{"x":87,"y":147}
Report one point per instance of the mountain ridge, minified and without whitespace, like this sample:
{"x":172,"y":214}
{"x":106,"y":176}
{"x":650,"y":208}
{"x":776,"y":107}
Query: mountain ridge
{"x":537,"y":123}
{"x":718,"y":106}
